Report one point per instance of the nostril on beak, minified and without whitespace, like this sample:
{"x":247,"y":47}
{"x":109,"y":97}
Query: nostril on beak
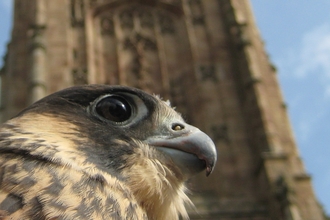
{"x":177,"y":127}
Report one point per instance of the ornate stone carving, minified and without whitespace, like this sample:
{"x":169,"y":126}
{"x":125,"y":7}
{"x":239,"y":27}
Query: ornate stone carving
{"x":77,"y":13}
{"x":239,"y":31}
{"x":79,"y":76}
{"x":177,"y":94}
{"x":146,"y":43}
{"x":107,"y":26}
{"x":138,"y":46}
{"x":166,"y":24}
{"x":220,"y":132}
{"x":135,"y":28}
{"x":252,"y":80}
{"x":36,"y":30}
{"x":197,"y":12}
{"x":283,"y":192}
{"x":126,"y":19}
{"x":242,"y":35}
{"x":139,"y":42}
{"x":146,"y":18}
{"x":133,"y":63}
{"x":35,"y":33}
{"x":207,"y":72}
{"x":128,"y":45}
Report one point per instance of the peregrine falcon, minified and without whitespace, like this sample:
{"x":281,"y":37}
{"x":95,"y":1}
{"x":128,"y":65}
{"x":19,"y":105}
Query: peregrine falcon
{"x":99,"y":152}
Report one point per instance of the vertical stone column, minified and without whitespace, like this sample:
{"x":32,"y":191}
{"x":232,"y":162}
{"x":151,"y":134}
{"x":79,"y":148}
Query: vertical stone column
{"x":109,"y":58}
{"x":79,"y":12}
{"x":38,"y":56}
{"x":90,"y":43}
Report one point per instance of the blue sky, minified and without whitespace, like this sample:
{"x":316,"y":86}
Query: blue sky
{"x":297,"y":39}
{"x":5,"y":25}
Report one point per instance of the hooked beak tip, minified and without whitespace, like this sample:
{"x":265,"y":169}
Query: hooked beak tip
{"x":208,"y":170}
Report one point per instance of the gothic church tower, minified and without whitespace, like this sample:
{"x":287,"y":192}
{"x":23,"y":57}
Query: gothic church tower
{"x":207,"y":57}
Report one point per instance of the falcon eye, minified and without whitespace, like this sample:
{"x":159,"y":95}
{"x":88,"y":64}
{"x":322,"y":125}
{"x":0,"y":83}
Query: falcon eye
{"x":114,"y":108}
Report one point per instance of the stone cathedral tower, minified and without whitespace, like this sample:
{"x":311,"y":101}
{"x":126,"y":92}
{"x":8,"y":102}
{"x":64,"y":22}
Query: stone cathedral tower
{"x":205,"y":56}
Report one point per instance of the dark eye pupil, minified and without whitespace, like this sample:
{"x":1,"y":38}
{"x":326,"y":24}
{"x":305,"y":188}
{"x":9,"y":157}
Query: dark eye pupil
{"x":114,"y":108}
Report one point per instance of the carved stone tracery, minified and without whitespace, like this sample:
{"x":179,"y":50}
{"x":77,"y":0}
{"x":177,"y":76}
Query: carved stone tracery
{"x":77,"y":13}
{"x":107,"y":26}
{"x":146,"y":18}
{"x":134,"y":29}
{"x":208,"y":72}
{"x":177,"y":93}
{"x":79,"y":76}
{"x":138,"y":50}
{"x":220,"y":132}
{"x":126,"y":19}
{"x":197,"y":12}
{"x":166,"y":24}
{"x":36,"y":34}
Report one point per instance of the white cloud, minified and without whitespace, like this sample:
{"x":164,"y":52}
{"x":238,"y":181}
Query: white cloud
{"x":314,"y":57}
{"x":311,"y":57}
{"x":305,"y":71}
{"x":311,"y":60}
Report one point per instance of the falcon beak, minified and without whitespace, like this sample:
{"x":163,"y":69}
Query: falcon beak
{"x":190,"y":149}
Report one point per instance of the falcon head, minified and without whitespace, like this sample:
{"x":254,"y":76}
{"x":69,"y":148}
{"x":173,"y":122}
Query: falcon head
{"x":123,"y":133}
